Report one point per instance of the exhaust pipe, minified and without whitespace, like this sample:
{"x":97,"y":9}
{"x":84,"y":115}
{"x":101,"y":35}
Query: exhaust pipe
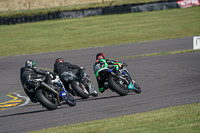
{"x":52,"y":90}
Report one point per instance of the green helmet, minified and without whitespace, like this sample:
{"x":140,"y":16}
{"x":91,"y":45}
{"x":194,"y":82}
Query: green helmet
{"x":30,"y":63}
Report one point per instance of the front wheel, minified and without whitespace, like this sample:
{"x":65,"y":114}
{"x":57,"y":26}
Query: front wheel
{"x":117,"y":87}
{"x":94,"y":93}
{"x":70,"y":101}
{"x":46,"y":99}
{"x":137,"y":88}
{"x":80,"y":89}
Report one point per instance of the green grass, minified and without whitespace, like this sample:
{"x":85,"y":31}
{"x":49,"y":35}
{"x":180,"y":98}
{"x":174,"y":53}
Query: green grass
{"x":162,"y":53}
{"x":96,"y":31}
{"x":179,"y":119}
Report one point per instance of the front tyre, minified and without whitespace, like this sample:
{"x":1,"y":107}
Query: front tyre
{"x":70,"y":101}
{"x":79,"y":89}
{"x":46,"y":99}
{"x":94,"y":93}
{"x":118,"y":88}
{"x":137,"y":88}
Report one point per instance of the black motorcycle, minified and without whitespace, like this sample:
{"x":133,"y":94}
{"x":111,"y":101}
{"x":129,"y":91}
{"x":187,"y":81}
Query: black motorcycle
{"x":118,"y":82}
{"x":50,"y":95}
{"x":79,"y":88}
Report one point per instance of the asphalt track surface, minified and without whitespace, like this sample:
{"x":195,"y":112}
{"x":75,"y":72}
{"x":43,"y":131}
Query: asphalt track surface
{"x":169,"y":80}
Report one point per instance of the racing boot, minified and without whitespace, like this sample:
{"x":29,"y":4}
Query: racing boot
{"x":102,"y":89}
{"x":83,"y":80}
{"x":34,"y":100}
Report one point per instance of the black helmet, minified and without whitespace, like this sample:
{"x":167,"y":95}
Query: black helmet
{"x":100,"y":56}
{"x":30,"y":63}
{"x":59,"y":60}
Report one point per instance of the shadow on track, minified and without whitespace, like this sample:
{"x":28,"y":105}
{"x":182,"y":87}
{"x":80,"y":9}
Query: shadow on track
{"x":31,"y":112}
{"x":99,"y":98}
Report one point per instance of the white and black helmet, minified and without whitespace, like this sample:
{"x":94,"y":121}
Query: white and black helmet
{"x":30,"y":63}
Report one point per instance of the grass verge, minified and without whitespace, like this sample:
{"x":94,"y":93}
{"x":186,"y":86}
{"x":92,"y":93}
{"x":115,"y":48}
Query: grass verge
{"x":157,"y":54}
{"x":178,"y":119}
{"x":95,"y":31}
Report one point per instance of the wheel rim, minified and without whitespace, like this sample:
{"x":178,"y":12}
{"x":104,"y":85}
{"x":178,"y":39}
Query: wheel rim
{"x":120,"y":85}
{"x":48,"y":96}
{"x":70,"y":98}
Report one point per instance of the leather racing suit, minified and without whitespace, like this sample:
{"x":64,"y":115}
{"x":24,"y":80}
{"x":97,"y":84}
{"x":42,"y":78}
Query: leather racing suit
{"x":27,"y":74}
{"x":60,"y":67}
{"x":100,"y":64}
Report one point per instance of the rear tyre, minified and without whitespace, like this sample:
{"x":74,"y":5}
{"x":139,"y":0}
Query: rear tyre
{"x":118,"y":88}
{"x":71,"y":101}
{"x":46,"y":100}
{"x":80,"y":91}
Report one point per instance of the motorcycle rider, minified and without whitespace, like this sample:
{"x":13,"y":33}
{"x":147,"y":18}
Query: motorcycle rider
{"x":60,"y":67}
{"x":30,"y":71}
{"x":100,"y":63}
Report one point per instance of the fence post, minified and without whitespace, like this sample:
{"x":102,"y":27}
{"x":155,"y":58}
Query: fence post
{"x":49,"y":4}
{"x":29,"y":6}
{"x":18,"y":7}
{"x":4,"y":10}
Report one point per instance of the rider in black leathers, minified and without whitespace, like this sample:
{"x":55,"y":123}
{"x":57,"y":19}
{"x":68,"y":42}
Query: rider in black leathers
{"x":27,"y":73}
{"x":60,"y":66}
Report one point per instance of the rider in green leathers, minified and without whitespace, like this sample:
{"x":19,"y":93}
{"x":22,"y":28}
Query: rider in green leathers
{"x":101,"y":63}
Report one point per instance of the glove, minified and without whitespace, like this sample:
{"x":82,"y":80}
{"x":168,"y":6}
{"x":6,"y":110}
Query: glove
{"x":53,"y":75}
{"x":47,"y":72}
{"x":118,"y":65}
{"x":124,"y":64}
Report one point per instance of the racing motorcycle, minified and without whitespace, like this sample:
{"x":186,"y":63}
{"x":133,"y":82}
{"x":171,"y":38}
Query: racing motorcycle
{"x":80,"y":88}
{"x":53,"y":94}
{"x":118,"y":82}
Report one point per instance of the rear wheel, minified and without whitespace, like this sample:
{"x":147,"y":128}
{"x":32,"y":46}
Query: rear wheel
{"x":117,"y":87}
{"x":80,"y":90}
{"x":46,"y":99}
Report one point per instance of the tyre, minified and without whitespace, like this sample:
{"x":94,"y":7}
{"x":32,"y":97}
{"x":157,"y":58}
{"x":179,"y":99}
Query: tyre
{"x":137,"y":88}
{"x":79,"y":89}
{"x":46,"y":100}
{"x":71,"y":101}
{"x":118,"y":88}
{"x":95,"y":94}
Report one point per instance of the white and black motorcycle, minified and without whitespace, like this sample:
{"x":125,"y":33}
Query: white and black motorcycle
{"x":81,"y":89}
